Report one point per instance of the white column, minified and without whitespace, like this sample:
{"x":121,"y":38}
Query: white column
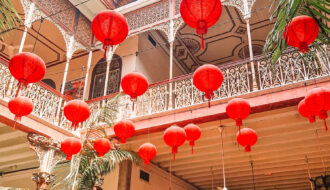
{"x":170,"y":99}
{"x":87,"y":72}
{"x":108,"y":59}
{"x":254,"y":82}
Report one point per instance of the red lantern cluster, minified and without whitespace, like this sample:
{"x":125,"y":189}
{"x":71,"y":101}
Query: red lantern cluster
{"x":20,"y":106}
{"x":124,"y":129}
{"x":102,"y":146}
{"x":317,"y":102}
{"x":134,"y":84}
{"x":238,"y":109}
{"x":147,"y":152}
{"x":301,"y":31}
{"x":193,"y":133}
{"x":76,"y":111}
{"x":110,"y":27}
{"x":246,"y":137}
{"x":71,"y":146}
{"x":174,"y":137}
{"x":208,"y":78}
{"x":27,"y":68}
{"x":200,"y":14}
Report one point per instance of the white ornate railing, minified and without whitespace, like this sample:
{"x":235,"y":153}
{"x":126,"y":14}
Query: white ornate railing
{"x":46,"y":101}
{"x":239,"y":78}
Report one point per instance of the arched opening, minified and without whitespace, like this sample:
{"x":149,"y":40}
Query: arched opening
{"x":50,"y":83}
{"x":99,"y":75}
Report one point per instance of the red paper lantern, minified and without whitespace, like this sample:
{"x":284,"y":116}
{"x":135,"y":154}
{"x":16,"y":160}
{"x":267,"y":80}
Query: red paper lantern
{"x":110,"y":27}
{"x":134,"y":84}
{"x":124,"y":129}
{"x":174,"y":137}
{"x":238,"y":109}
{"x":102,"y":146}
{"x":27,"y":68}
{"x":305,"y":111}
{"x":200,"y":14}
{"x":318,"y":100}
{"x":76,"y":111}
{"x":20,"y":106}
{"x":208,"y":78}
{"x":193,"y":133}
{"x":246,"y":137}
{"x":301,"y":31}
{"x":147,"y":152}
{"x":70,"y":146}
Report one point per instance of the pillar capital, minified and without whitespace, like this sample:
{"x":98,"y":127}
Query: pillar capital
{"x":43,"y":180}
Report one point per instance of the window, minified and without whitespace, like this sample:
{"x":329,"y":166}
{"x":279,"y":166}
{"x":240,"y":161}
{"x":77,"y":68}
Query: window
{"x":99,"y":75}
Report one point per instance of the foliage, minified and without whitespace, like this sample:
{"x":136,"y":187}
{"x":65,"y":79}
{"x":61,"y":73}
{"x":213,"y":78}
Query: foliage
{"x":285,"y":11}
{"x":9,"y":18}
{"x":87,"y":168}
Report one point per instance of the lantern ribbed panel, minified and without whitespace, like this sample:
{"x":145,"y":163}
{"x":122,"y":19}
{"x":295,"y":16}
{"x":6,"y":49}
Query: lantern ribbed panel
{"x":247,"y":137}
{"x":134,"y":84}
{"x":76,"y":111}
{"x":238,"y":109}
{"x":124,"y":129}
{"x":147,"y":152}
{"x":102,"y":146}
{"x":174,"y":137}
{"x":193,"y":133}
{"x":71,"y":146}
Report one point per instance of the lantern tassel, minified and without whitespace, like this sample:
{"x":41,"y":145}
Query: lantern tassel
{"x":122,"y":140}
{"x":68,"y":157}
{"x":248,"y":149}
{"x":303,"y":47}
{"x":239,"y":122}
{"x":16,"y":119}
{"x":174,"y":151}
{"x":202,"y":41}
{"x":147,"y":162}
{"x":325,"y":125}
{"x":311,"y":119}
{"x":192,"y":144}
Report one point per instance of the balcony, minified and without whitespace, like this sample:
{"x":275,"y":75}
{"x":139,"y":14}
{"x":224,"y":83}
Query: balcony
{"x":240,"y":78}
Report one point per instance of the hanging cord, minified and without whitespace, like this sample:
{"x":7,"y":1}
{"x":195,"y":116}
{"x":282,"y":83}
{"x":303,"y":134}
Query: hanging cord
{"x":170,"y":174}
{"x":80,"y":84}
{"x":309,"y":173}
{"x":319,"y":146}
{"x":35,"y":42}
{"x":212,"y":178}
{"x":223,"y":156}
{"x":254,"y":185}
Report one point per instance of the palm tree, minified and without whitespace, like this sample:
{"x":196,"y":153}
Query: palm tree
{"x":9,"y":18}
{"x":87,"y":169}
{"x":285,"y":11}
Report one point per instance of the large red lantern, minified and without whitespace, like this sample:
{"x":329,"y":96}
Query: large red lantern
{"x":306,"y":111}
{"x":70,"y":146}
{"x":110,"y":27}
{"x":246,"y":137}
{"x":27,"y":68}
{"x":208,"y":78}
{"x":318,"y":99}
{"x":76,"y":111}
{"x":20,"y":106}
{"x":147,"y":152}
{"x":301,"y":31}
{"x":134,"y":84}
{"x":124,"y":129}
{"x":238,"y":109}
{"x":174,"y":137}
{"x":200,"y":14}
{"x":193,"y":133}
{"x":102,"y":146}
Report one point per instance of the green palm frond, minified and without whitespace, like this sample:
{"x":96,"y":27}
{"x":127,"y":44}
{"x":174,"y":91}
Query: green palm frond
{"x":9,"y":18}
{"x":285,"y":11}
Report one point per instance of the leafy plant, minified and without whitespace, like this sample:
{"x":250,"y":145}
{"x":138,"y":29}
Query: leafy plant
{"x":87,"y":169}
{"x":285,"y":11}
{"x":9,"y":18}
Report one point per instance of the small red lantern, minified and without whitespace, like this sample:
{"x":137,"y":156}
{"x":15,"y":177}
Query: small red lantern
{"x":193,"y":133}
{"x":174,"y":137}
{"x":306,"y":111}
{"x":27,"y":68}
{"x":110,"y":27}
{"x":238,"y":109}
{"x":147,"y":152}
{"x":318,"y":100}
{"x":200,"y":14}
{"x":124,"y":129}
{"x":20,"y":106}
{"x":208,"y":78}
{"x":246,"y":137}
{"x":134,"y":84}
{"x":102,"y":146}
{"x":70,"y":146}
{"x":76,"y":111}
{"x":301,"y":31}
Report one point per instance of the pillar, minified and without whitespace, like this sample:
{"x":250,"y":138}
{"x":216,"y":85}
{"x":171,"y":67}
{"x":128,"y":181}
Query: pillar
{"x":87,"y":73}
